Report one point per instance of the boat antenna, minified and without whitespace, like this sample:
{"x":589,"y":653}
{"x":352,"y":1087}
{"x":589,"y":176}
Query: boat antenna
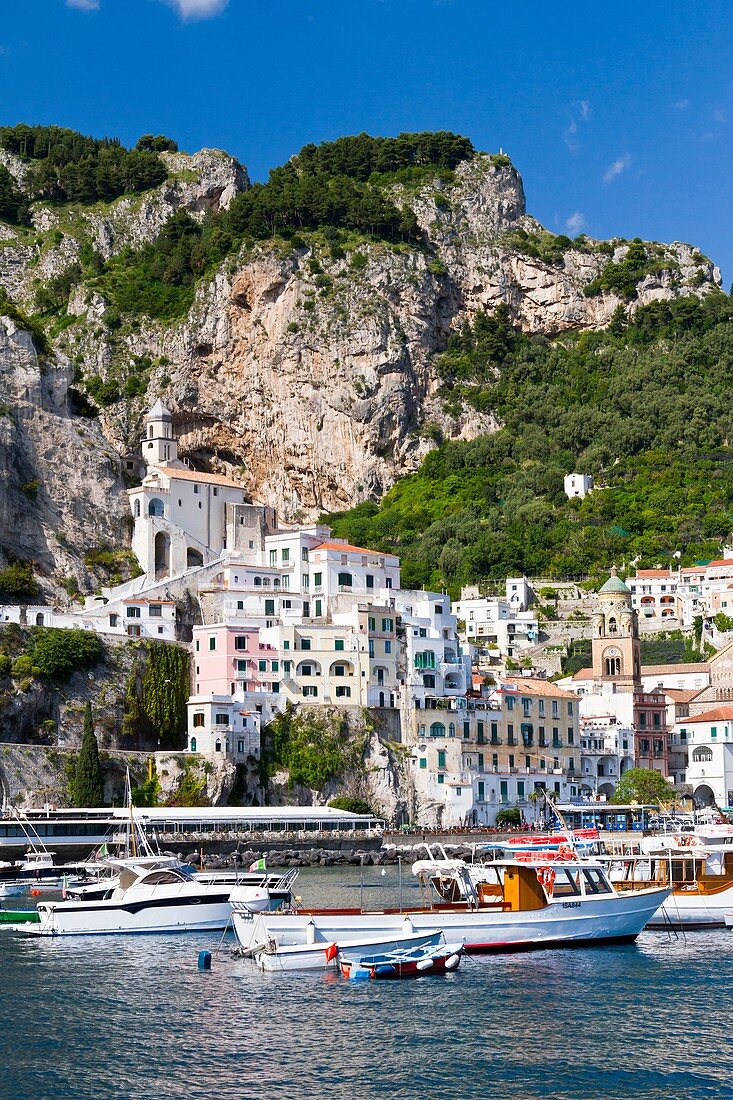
{"x":29,"y":830}
{"x":563,"y":823}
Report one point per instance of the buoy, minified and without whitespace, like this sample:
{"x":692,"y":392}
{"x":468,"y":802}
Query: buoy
{"x":204,"y":960}
{"x":451,"y":963}
{"x":310,"y":932}
{"x":425,"y":964}
{"x":407,"y":927}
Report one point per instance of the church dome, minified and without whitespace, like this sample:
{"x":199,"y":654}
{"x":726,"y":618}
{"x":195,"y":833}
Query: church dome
{"x":614,"y":586}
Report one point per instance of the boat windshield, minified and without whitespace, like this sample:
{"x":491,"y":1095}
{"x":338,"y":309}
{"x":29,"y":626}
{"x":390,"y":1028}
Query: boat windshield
{"x":162,"y":878}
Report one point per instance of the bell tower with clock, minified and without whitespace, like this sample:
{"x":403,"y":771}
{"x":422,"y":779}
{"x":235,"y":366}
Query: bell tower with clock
{"x":615,"y":642}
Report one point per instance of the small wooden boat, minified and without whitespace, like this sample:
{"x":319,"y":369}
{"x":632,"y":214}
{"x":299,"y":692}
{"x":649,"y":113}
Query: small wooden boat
{"x":411,"y":962}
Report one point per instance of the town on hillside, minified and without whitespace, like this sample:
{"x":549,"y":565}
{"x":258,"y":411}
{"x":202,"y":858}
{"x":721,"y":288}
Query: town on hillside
{"x":479,"y":692}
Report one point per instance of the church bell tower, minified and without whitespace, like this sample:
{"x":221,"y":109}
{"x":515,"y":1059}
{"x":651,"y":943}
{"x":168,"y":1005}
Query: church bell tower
{"x":616,"y":658}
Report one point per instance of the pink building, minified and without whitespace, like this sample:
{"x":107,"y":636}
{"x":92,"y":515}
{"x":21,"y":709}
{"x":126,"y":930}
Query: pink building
{"x":233,"y":658}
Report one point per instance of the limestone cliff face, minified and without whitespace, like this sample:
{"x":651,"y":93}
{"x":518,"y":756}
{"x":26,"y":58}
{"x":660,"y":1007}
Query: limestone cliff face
{"x":60,"y":482}
{"x":309,"y":378}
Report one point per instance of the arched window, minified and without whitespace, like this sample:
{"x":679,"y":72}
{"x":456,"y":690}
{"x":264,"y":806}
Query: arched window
{"x":451,"y":729}
{"x":217,"y":746}
{"x":193,"y":744}
{"x":137,"y":509}
{"x":266,"y":582}
{"x":613,"y":666}
{"x":156,"y":507}
{"x":612,"y":626}
{"x":258,"y":582}
{"x":437,"y":729}
{"x":702,"y":755}
{"x":39,"y":619}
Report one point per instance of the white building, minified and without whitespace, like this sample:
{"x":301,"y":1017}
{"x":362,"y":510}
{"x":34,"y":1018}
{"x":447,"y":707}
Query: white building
{"x":577,"y":485}
{"x":505,"y":624}
{"x":607,"y":749}
{"x":434,"y":667}
{"x":654,"y":593}
{"x":709,"y":738}
{"x":220,"y":724}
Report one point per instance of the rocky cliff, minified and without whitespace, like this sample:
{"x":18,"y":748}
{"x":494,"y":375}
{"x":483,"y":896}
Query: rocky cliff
{"x":306,"y":372}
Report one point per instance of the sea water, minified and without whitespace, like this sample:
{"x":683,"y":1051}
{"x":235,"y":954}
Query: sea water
{"x":90,"y":1018}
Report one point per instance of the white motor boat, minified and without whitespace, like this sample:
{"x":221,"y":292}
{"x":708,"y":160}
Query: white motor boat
{"x":507,"y":905}
{"x":147,"y":898}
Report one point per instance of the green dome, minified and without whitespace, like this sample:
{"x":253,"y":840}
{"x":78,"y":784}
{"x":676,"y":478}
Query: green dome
{"x":614,"y":586}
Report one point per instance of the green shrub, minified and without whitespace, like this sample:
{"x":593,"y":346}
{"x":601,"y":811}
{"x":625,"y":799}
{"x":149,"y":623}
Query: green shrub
{"x":351,"y":804}
{"x":17,"y":582}
{"x":5,"y":664}
{"x":23,"y":667}
{"x":58,"y":653}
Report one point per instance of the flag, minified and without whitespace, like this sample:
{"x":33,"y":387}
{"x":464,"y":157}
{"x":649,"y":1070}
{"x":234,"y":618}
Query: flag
{"x":331,"y":952}
{"x":103,"y":851}
{"x":64,"y":884}
{"x":258,"y":865}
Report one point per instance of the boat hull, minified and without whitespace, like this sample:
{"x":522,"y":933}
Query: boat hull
{"x":194,"y":913}
{"x":694,"y":910}
{"x":313,"y":956}
{"x":558,"y":924}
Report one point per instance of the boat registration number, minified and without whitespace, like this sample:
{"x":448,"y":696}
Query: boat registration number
{"x":571,"y":905}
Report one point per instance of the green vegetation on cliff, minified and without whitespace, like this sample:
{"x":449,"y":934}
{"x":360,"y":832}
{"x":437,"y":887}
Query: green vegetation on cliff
{"x":644,"y":407}
{"x":155,"y":696}
{"x":65,"y":166}
{"x":312,"y":747}
{"x":88,"y":786}
{"x":340,"y":186}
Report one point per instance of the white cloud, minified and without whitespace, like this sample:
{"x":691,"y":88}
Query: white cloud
{"x":579,"y":112}
{"x":84,"y":5}
{"x":575,"y":223}
{"x":197,"y":9}
{"x":682,"y":104}
{"x":617,"y":168}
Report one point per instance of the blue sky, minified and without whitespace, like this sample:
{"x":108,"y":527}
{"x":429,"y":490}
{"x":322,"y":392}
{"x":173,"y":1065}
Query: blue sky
{"x":619,"y":116}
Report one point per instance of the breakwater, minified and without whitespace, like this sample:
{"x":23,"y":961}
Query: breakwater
{"x":338,"y":854}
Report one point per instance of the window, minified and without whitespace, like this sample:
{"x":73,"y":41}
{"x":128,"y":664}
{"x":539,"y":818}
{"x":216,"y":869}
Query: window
{"x":702,"y":755}
{"x":275,"y":666}
{"x":197,"y":645}
{"x":466,"y":729}
{"x":241,"y":666}
{"x":387,"y":626}
{"x":555,"y":708}
{"x":310,"y":692}
{"x":305,"y":643}
{"x":338,"y":645}
{"x":196,"y":489}
{"x":275,"y":686}
{"x":509,"y":703}
{"x":494,"y":760}
{"x":198,"y":719}
{"x":369,"y":580}
{"x":481,"y":761}
{"x":423,"y":763}
{"x":306,"y":609}
{"x":428,"y":680}
{"x":287,"y":665}
{"x":269,"y":607}
{"x":133,"y":612}
{"x":306,"y":670}
{"x":388,"y":582}
{"x":318,"y":579}
{"x":319,"y":608}
{"x":193,"y":744}
{"x":221,"y":719}
{"x":285,"y":556}
{"x":441,"y":777}
{"x":511,"y":760}
{"x":713,"y":731}
{"x":339,"y":670}
{"x":286,"y":644}
{"x":240,"y":747}
{"x":571,"y":736}
{"x":346,"y":580}
{"x":273,"y":557}
{"x":155,"y":611}
{"x":520,"y":790}
{"x":570,"y":708}
{"x":510,"y":734}
{"x":262,"y":666}
{"x":304,"y":553}
{"x":438,"y":609}
{"x":437,"y":729}
{"x":371,"y":647}
{"x":240,"y":641}
{"x":387,"y":647}
{"x":343,"y":692}
{"x":240,"y":605}
{"x":494,"y":732}
{"x":258,"y":582}
{"x":212,"y":643}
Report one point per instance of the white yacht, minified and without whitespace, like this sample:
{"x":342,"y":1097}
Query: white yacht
{"x":151,"y":895}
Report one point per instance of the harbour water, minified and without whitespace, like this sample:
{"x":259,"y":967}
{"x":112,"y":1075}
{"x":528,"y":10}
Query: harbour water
{"x":133,"y":1017}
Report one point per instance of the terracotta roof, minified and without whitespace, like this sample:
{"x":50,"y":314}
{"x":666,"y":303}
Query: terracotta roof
{"x":195,"y":475}
{"x":654,"y":573}
{"x":673,"y":670}
{"x":719,"y":561}
{"x":583,"y":674}
{"x":347,"y":548}
{"x":720,"y":714}
{"x":528,"y":686}
{"x":681,"y":695}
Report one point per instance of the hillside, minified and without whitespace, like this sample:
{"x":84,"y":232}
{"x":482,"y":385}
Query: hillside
{"x":316,"y":336}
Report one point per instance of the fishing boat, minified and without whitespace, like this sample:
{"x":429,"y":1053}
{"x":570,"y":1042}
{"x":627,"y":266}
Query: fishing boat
{"x":410,"y":962}
{"x":506,"y":905}
{"x":306,"y":949}
{"x":697,"y":871}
